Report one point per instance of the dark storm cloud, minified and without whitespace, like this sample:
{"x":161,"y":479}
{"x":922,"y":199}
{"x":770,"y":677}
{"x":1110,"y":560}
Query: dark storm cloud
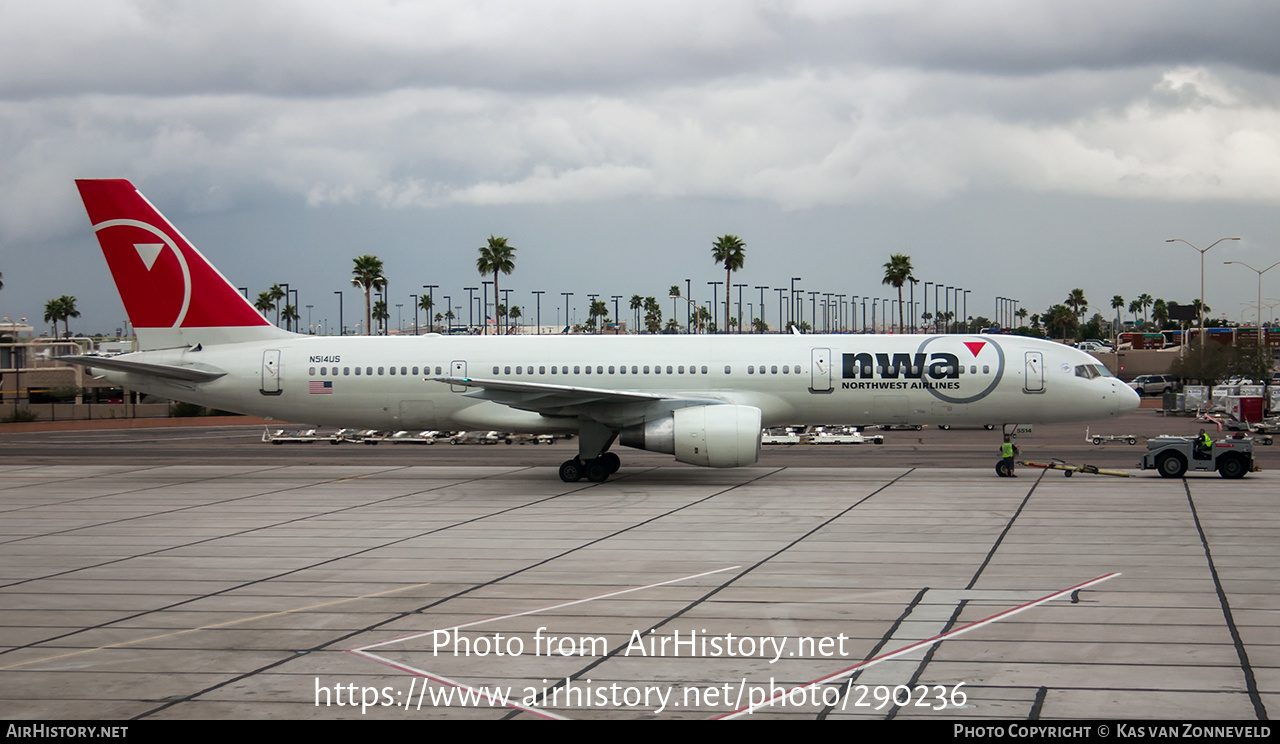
{"x":317,"y":48}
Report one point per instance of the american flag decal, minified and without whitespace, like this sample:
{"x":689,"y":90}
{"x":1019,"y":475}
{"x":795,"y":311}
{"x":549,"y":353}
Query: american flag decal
{"x":320,"y":387}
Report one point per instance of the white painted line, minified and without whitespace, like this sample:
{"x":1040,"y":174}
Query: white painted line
{"x":848,"y":671}
{"x":363,"y":651}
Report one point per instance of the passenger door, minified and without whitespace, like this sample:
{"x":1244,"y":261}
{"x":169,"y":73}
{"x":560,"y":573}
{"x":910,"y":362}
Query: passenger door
{"x":1033,"y":373}
{"x":820,"y":371}
{"x":271,"y":373}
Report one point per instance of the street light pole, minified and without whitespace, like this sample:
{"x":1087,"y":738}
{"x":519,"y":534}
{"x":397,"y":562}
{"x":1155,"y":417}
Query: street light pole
{"x":1260,"y":273}
{"x":1202,"y":252}
{"x":538,"y":294}
{"x":431,"y":296}
{"x":342,"y":329}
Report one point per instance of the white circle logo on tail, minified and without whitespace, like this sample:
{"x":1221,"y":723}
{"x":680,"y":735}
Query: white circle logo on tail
{"x":980,"y":352}
{"x":169,"y":298}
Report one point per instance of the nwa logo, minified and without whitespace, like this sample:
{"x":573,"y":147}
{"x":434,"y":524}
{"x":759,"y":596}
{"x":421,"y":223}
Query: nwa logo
{"x":941,"y":371}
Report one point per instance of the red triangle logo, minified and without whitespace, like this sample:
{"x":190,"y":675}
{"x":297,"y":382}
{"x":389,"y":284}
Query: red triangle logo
{"x":975,"y":346}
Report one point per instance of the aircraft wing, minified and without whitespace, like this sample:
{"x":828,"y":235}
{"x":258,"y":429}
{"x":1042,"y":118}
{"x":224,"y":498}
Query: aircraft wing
{"x":557,"y":399}
{"x":186,"y":373}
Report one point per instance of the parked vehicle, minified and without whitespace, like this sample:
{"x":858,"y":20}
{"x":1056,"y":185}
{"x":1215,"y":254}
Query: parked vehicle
{"x":780,"y":435}
{"x":844,"y":435}
{"x":1153,"y":384}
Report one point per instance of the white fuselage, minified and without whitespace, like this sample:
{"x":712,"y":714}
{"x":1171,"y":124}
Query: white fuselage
{"x":394,"y":382}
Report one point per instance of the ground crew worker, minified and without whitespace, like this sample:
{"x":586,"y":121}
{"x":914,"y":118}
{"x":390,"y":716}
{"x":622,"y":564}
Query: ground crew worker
{"x":1007,"y":452}
{"x":1204,"y":444}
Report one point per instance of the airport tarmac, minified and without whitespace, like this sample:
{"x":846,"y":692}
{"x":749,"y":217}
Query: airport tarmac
{"x":153,"y":577}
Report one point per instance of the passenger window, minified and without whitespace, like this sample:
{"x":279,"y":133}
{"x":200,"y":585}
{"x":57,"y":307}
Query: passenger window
{"x":611,"y":369}
{"x":518,"y":370}
{"x":773,"y":370}
{"x":495,"y":370}
{"x":311,"y":371}
{"x":726,"y":369}
{"x":415,"y":370}
{"x":393,"y":370}
{"x":577,"y":370}
{"x":986,"y":369}
{"x":380,"y":370}
{"x":506,"y":370}
{"x":646,"y":369}
{"x":751,"y":369}
{"x":599,"y":369}
{"x":973,"y":369}
{"x":347,"y":370}
{"x":357,"y":371}
{"x":786,"y":369}
{"x":669,"y":368}
{"x":542,"y":370}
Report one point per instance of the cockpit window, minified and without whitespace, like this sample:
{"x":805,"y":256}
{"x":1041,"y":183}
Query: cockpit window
{"x":1090,"y":371}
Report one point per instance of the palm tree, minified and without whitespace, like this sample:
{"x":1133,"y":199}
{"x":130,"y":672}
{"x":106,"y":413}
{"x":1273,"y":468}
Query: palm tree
{"x":52,"y":314}
{"x":514,"y":314}
{"x":597,"y":310}
{"x":1062,"y":318}
{"x":69,"y":310}
{"x":637,"y":302}
{"x":759,"y":325}
{"x":277,"y":293}
{"x":1160,"y":313}
{"x":380,"y":314}
{"x":264,"y":303}
{"x":425,"y":303}
{"x":703,"y":319}
{"x":674,"y":294}
{"x":897,"y":272}
{"x":496,"y":257}
{"x":652,"y":315}
{"x":367,"y":275}
{"x":1077,"y":302}
{"x":290,"y":315}
{"x":732,"y":252}
{"x":1147,"y":301}
{"x":1135,"y":307}
{"x":1021,"y":315}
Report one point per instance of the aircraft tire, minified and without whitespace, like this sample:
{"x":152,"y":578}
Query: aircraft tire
{"x":1002,"y":468}
{"x":611,"y":461}
{"x":598,"y":470}
{"x":571,"y":471}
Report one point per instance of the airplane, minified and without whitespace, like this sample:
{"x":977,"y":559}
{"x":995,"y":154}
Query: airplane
{"x":702,"y":398}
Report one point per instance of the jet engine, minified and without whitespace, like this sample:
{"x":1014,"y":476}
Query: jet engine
{"x":720,"y":436}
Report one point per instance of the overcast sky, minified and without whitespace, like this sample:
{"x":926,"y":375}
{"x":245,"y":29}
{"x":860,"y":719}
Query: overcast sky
{"x":1015,"y":149}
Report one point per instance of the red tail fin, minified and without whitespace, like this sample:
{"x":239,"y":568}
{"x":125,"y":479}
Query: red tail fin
{"x":164,"y":281}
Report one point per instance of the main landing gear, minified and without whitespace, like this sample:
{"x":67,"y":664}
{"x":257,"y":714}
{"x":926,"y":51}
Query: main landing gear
{"x":596,"y":470}
{"x":594,"y":461}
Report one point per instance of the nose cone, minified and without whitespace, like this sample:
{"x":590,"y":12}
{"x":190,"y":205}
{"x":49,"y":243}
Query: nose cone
{"x":1127,"y":399}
